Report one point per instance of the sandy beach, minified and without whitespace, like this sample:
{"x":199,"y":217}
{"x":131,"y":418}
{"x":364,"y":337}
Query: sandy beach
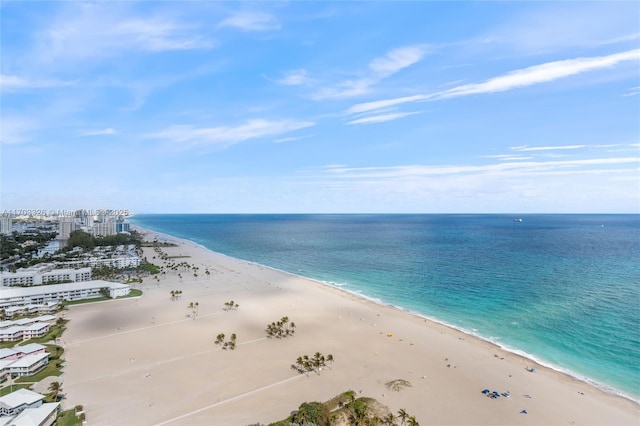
{"x":147,"y":361}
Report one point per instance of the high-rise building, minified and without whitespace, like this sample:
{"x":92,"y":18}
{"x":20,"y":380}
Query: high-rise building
{"x":66,"y":225}
{"x":101,"y":229}
{"x":6,"y":224}
{"x":123,"y":227}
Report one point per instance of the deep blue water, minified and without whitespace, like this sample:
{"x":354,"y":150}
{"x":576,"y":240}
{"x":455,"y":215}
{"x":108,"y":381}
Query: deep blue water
{"x":562,"y":289}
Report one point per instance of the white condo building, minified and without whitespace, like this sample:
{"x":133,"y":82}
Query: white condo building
{"x":116,"y":262}
{"x":39,"y":276}
{"x":40,"y":295}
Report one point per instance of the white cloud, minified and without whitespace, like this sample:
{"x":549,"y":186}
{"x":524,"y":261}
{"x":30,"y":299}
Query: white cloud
{"x":294,"y":78}
{"x":420,"y":171}
{"x":9,"y":83}
{"x":376,"y":105}
{"x":382,"y":118}
{"x":508,"y":157}
{"x":225,"y":136}
{"x":100,"y":132}
{"x":561,"y":25}
{"x":379,"y":69}
{"x":541,"y":74}
{"x":291,"y":139}
{"x":344,"y":89}
{"x":396,"y":60}
{"x":15,"y":130}
{"x":546,"y":148}
{"x":251,"y":21}
{"x":536,"y":74}
{"x":634,"y":91}
{"x":99,"y":30}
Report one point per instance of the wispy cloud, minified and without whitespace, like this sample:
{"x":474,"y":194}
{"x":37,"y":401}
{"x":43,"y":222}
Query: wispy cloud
{"x":224,"y":136}
{"x":558,"y":25}
{"x":291,"y":139}
{"x":294,"y":78}
{"x":16,"y":129}
{"x":100,"y":132}
{"x":344,"y":89}
{"x":541,"y":74}
{"x":251,"y":21}
{"x":532,"y":167}
{"x":396,"y":60}
{"x":378,"y":70}
{"x":634,"y":91}
{"x":529,"y":76}
{"x":546,"y":148}
{"x":386,"y":103}
{"x":382,"y":118}
{"x":95,"y":30}
{"x":508,"y":157}
{"x":10,"y":83}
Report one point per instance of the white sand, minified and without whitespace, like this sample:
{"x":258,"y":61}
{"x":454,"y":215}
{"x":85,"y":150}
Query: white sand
{"x":142,"y":361}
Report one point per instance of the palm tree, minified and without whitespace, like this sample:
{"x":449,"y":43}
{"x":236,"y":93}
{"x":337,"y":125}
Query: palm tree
{"x":219,"y":339}
{"x":413,"y":422}
{"x":402,"y":415}
{"x":359,"y":413}
{"x":192,"y":306}
{"x":330,"y":359}
{"x":389,"y":420}
{"x":54,"y":390}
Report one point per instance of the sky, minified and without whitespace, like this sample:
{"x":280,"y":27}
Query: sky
{"x":320,"y":107}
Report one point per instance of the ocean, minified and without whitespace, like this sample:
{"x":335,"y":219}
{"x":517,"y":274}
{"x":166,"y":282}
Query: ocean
{"x":563,"y":290}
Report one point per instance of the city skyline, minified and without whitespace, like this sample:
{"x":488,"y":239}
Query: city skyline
{"x":321,"y":107}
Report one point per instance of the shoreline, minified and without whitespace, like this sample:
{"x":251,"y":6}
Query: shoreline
{"x":160,"y":366}
{"x":539,"y":363}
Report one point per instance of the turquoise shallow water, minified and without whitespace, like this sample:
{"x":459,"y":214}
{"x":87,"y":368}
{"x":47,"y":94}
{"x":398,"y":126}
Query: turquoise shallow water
{"x":562,"y":289}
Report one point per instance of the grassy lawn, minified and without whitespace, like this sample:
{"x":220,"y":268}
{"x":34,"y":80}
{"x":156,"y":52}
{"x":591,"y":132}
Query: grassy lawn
{"x":68,"y":418}
{"x":51,"y":369}
{"x":81,"y":301}
{"x":7,"y":390}
{"x":134,"y":292}
{"x":54,"y":333}
{"x":4,"y":345}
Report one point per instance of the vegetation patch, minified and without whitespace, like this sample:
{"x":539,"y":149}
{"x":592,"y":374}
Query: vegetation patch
{"x":230,"y":306}
{"x":54,"y":333}
{"x":52,"y":369}
{"x":281,"y":329}
{"x":134,"y":292}
{"x":8,"y":388}
{"x":306,"y":364}
{"x":230,"y":344}
{"x":68,"y":418}
{"x":345,"y":410}
{"x":157,"y":244}
{"x":398,"y":384}
{"x":93,"y":299}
